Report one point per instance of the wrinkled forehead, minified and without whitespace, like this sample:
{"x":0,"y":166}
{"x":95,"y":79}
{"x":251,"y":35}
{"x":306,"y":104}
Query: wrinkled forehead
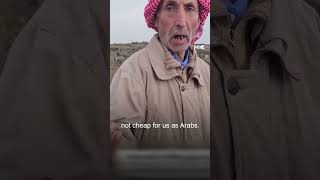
{"x":183,"y":2}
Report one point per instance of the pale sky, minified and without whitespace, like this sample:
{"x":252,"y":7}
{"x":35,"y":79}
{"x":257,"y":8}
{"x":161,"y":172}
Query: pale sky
{"x":127,"y":23}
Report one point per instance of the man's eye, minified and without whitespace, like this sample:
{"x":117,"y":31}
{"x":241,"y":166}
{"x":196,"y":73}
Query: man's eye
{"x":170,"y":8}
{"x":190,"y":8}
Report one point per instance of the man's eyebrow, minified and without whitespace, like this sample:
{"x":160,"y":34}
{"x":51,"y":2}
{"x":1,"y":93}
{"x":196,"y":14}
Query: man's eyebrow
{"x":189,"y":4}
{"x":171,"y":2}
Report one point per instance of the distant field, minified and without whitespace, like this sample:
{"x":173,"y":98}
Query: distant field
{"x":120,"y":52}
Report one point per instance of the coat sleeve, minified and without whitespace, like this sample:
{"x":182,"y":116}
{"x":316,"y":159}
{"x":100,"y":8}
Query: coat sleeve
{"x":127,"y":105}
{"x":53,"y":99}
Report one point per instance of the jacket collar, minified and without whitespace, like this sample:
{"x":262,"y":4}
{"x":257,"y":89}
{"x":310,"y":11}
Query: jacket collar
{"x":278,"y":38}
{"x":258,"y":12}
{"x":166,"y":67}
{"x":269,"y":32}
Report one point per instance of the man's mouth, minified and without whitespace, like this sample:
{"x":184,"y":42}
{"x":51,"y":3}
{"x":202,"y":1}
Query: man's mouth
{"x":179,"y":37}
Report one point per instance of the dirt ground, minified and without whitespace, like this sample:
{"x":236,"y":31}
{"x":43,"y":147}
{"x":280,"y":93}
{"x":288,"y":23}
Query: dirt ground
{"x":120,"y":52}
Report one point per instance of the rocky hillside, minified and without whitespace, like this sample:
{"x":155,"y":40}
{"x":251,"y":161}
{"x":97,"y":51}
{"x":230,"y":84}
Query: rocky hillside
{"x":120,"y":52}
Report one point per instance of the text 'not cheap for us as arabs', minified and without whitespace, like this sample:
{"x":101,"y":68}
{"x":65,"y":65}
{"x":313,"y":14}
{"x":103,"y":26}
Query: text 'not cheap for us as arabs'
{"x":158,"y":125}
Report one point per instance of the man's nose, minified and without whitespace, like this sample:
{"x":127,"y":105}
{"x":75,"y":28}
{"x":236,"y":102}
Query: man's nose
{"x":181,"y":20}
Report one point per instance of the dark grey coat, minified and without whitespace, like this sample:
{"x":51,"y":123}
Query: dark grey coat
{"x":266,"y":92}
{"x":53,"y":95}
{"x":315,"y":4}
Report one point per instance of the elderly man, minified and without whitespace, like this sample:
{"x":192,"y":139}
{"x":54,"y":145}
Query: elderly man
{"x":165,"y":85}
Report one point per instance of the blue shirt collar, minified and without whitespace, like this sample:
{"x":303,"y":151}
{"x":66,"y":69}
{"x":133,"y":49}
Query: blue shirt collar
{"x":237,"y":7}
{"x":185,"y":61}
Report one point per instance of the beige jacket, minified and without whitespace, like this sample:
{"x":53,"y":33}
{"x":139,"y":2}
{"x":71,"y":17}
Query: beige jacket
{"x":150,"y":87}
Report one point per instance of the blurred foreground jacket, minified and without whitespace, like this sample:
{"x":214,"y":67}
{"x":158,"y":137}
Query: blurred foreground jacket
{"x":315,"y":4}
{"x":53,"y":95}
{"x":266,"y":92}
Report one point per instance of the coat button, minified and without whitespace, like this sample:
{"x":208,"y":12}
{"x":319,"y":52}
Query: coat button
{"x":233,"y":86}
{"x":183,"y":88}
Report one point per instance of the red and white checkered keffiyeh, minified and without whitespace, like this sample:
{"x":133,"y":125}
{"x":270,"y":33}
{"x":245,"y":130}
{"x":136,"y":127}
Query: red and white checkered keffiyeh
{"x":151,"y":8}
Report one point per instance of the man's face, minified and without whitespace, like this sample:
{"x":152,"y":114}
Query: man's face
{"x":177,"y":22}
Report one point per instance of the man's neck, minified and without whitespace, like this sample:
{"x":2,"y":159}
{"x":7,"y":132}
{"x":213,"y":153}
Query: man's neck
{"x":181,"y":56}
